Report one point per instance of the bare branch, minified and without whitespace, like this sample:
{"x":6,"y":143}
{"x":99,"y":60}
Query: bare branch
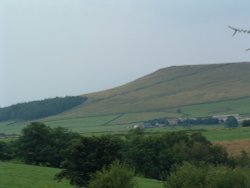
{"x":236,"y":30}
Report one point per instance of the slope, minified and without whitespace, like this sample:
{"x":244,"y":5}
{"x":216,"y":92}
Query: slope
{"x":169,"y":88}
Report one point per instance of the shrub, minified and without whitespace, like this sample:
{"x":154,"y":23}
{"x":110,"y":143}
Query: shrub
{"x":87,"y":155}
{"x":207,"y":176}
{"x":246,"y":123}
{"x":231,"y":122}
{"x":117,"y":175}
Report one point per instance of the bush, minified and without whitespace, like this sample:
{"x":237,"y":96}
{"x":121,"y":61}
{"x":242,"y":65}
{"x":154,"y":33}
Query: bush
{"x":87,"y":155}
{"x":42,"y":145}
{"x":154,"y":156}
{"x":246,"y":123}
{"x":116,"y":176}
{"x":206,"y":176}
{"x":187,"y":176}
{"x":6,"y":151}
{"x":231,"y":122}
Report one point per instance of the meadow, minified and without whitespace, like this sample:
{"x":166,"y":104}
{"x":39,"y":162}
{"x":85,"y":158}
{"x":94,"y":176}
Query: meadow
{"x":28,"y":176}
{"x":95,"y":126}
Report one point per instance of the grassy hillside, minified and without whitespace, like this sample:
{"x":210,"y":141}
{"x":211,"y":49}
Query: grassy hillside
{"x":180,"y":91}
{"x":171,"y":88}
{"x":27,"y":176}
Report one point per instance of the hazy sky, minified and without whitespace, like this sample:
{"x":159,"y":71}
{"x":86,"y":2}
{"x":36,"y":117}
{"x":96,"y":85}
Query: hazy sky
{"x":54,"y":48}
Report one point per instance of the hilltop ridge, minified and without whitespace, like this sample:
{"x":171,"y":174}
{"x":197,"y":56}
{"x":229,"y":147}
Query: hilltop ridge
{"x":170,"y":88}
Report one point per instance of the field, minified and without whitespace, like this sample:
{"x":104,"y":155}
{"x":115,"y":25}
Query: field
{"x":27,"y":176}
{"x":114,"y":123}
{"x":235,"y":147}
{"x":99,"y":125}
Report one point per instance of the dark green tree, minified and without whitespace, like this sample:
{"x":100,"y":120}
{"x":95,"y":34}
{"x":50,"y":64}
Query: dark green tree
{"x":35,"y":144}
{"x":87,"y":155}
{"x":231,"y":122}
{"x":246,"y":123}
{"x":39,"y":109}
{"x":42,"y":145}
{"x":6,"y":151}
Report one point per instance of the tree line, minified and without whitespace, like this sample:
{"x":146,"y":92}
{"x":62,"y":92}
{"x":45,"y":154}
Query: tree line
{"x":40,"y":109}
{"x":94,"y":161}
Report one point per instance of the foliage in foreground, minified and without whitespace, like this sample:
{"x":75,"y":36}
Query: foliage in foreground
{"x":207,"y":176}
{"x":116,"y":175}
{"x":150,"y":156}
{"x":154,"y":156}
{"x":87,"y":155}
{"x":42,"y":145}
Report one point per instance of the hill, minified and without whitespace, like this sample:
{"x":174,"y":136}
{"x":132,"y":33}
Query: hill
{"x":169,"y":88}
{"x":179,"y":91}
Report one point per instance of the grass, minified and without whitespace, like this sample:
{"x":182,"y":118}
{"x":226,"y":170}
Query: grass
{"x":225,"y":134}
{"x":170,"y":88}
{"x":212,"y":133}
{"x":97,"y":126}
{"x":82,"y":125}
{"x":148,"y":183}
{"x":28,"y":176}
{"x":235,"y":147}
{"x":237,"y":106}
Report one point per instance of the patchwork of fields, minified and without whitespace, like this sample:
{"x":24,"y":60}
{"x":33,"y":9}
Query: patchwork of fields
{"x":114,"y":123}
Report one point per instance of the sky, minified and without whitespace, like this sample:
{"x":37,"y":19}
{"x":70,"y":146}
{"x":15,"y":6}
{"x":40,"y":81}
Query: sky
{"x":52,"y":48}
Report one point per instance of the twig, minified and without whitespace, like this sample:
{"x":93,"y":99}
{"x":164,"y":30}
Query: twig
{"x":236,"y":30}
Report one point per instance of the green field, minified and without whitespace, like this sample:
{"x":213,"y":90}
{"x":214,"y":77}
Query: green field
{"x":212,"y":133}
{"x":123,"y":122}
{"x":28,"y":176}
{"x":96,"y":126}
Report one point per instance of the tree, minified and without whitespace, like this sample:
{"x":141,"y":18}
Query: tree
{"x":187,"y":176}
{"x":40,"y":109}
{"x":246,"y":123}
{"x":5,"y":151}
{"x":154,"y":156}
{"x":116,"y":175}
{"x":42,"y":145}
{"x":34,"y":146}
{"x":206,"y":176}
{"x":149,"y":156}
{"x":231,"y":122}
{"x":86,"y":156}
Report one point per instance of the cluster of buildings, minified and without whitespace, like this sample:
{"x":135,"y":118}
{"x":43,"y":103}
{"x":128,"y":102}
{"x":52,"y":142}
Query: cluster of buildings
{"x":176,"y":121}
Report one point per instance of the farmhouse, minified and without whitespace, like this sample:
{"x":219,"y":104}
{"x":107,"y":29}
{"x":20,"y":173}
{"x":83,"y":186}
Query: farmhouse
{"x":173,"y":121}
{"x":224,"y":117}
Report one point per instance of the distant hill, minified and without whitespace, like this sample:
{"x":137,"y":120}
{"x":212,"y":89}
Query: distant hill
{"x":178,"y":91}
{"x":172,"y":87}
